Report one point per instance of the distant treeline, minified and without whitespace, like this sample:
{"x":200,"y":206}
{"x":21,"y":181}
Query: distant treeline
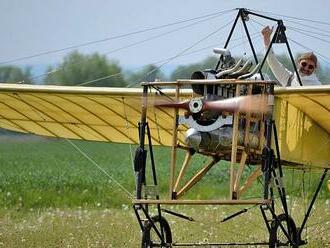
{"x":96,"y":70}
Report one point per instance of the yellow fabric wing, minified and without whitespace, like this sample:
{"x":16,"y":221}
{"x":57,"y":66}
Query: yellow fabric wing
{"x":86,"y":113}
{"x":112,"y":115}
{"x":303,"y":125}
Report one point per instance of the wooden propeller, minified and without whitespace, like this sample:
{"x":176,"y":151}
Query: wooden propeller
{"x":251,"y":103}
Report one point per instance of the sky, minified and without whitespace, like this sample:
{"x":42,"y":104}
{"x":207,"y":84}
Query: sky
{"x":31,"y":27}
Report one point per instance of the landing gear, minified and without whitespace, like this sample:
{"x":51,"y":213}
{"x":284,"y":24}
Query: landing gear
{"x":157,"y":233}
{"x":281,"y":229}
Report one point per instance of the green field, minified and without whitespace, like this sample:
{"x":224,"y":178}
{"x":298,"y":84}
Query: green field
{"x":51,"y":195}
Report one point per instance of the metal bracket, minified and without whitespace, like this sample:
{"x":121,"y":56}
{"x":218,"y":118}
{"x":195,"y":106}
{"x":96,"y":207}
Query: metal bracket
{"x":220,"y":121}
{"x":280,"y":36}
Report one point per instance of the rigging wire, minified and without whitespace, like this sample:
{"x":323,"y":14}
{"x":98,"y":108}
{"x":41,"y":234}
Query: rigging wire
{"x":77,"y":148}
{"x":237,"y":45}
{"x":190,"y":53}
{"x":129,"y":45}
{"x":114,"y":37}
{"x":211,"y":16}
{"x":242,"y":33}
{"x":165,"y":60}
{"x":301,"y":31}
{"x":266,"y":71}
{"x":100,"y":79}
{"x":100,"y":168}
{"x":312,"y":29}
{"x":324,"y":32}
{"x":184,"y":54}
{"x":159,"y":35}
{"x":106,"y":77}
{"x":308,"y":34}
{"x":184,"y":51}
{"x":42,"y":116}
{"x":293,"y":17}
{"x":324,"y":58}
{"x":254,"y":35}
{"x":257,"y":31}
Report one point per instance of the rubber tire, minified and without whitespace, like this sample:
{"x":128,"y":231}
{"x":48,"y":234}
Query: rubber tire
{"x":275,"y":228}
{"x":146,"y":237}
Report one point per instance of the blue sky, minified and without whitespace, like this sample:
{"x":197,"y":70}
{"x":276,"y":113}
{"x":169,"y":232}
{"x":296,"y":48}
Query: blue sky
{"x":34,"y":26}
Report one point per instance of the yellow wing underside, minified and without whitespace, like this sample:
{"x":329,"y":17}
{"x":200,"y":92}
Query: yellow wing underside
{"x":95,"y":114}
{"x":302,"y":117}
{"x":113,"y":114}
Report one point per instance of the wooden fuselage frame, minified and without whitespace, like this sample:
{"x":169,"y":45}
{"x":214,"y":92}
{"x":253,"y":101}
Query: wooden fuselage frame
{"x":238,"y":154}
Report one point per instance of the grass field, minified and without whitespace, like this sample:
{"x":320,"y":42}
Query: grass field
{"x":52,"y":196}
{"x":117,"y":227}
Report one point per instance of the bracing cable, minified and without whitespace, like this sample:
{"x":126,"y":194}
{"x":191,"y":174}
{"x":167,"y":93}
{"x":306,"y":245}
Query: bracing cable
{"x":131,"y":45}
{"x":309,"y":31}
{"x":100,"y":79}
{"x":201,"y":18}
{"x":293,"y":17}
{"x":257,"y":32}
{"x":41,"y":115}
{"x":324,"y":58}
{"x":100,"y":168}
{"x":185,"y":50}
{"x":206,"y":17}
{"x":308,"y":34}
{"x":215,"y":14}
{"x":170,"y":58}
{"x":304,"y":25}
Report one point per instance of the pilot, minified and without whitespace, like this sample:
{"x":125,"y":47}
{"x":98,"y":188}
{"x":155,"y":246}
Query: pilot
{"x":306,"y":65}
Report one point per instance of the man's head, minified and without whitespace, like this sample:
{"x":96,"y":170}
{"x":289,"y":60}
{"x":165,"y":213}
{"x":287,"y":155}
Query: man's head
{"x":307,"y":63}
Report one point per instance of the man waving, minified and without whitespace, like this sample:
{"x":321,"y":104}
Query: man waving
{"x":306,"y":65}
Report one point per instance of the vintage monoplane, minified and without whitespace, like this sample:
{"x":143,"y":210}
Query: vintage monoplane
{"x":228,"y":113}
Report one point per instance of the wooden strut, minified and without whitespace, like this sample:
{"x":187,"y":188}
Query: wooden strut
{"x":202,"y":202}
{"x":247,"y":121}
{"x":234,"y":148}
{"x":197,"y":177}
{"x":183,"y":170}
{"x":262,"y":130}
{"x":254,"y":175}
{"x":174,"y":144}
{"x":236,"y":190}
{"x":239,"y":174}
{"x":246,"y":149}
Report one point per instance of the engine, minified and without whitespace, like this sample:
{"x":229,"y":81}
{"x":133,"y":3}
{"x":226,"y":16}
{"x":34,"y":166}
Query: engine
{"x":209,"y":130}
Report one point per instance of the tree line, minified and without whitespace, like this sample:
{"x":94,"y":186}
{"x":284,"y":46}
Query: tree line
{"x":96,"y":70}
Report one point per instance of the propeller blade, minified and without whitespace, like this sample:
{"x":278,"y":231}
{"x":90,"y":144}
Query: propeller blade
{"x":181,"y":105}
{"x":253,"y":104}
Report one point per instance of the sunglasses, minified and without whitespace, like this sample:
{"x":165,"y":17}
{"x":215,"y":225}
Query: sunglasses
{"x":309,"y":66}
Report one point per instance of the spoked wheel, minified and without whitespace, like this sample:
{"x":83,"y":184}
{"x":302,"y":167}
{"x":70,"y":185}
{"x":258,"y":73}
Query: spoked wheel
{"x":150,"y":238}
{"x":277,"y":236}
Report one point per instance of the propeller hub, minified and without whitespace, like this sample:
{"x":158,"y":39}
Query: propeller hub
{"x":195,"y":105}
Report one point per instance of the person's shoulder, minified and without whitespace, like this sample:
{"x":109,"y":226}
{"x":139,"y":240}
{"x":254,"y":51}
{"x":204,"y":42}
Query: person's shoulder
{"x":315,"y":79}
{"x":311,"y":80}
